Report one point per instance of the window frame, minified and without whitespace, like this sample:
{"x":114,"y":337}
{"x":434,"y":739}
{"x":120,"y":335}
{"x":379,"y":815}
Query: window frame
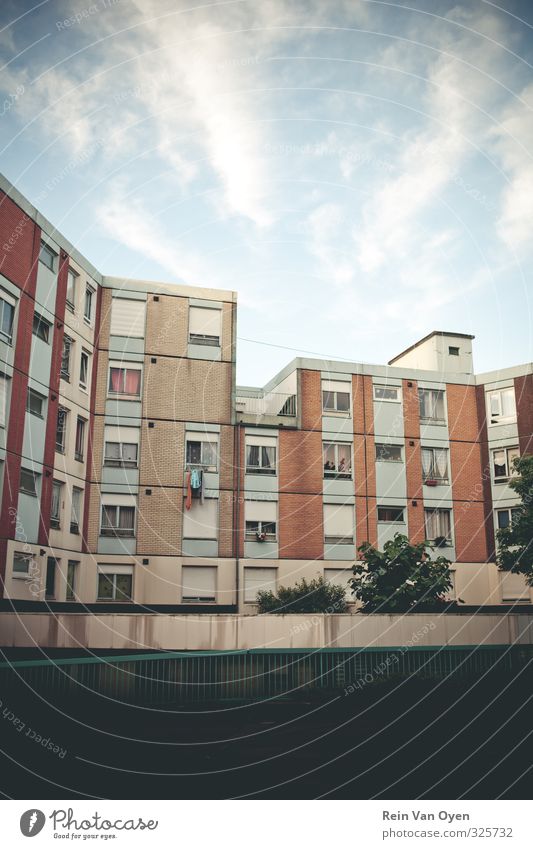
{"x":388,"y":387}
{"x":121,"y":393}
{"x":212,"y":599}
{"x":498,"y":479}
{"x":509,"y":511}
{"x":431,"y":419}
{"x":34,"y":493}
{"x":440,"y":511}
{"x":88,"y":299}
{"x":204,"y":339}
{"x":334,"y":474}
{"x":120,"y":463}
{"x":74,"y":276}
{"x":75,"y":526}
{"x":32,"y":393}
{"x":454,"y":351}
{"x":115,"y":530}
{"x":499,"y":418}
{"x":251,"y":535}
{"x":388,"y":445}
{"x":72,"y":585}
{"x":7,"y":338}
{"x":85,"y":357}
{"x":55,"y":520}
{"x":272,"y":584}
{"x":393,"y":509}
{"x":207,"y":467}
{"x":81,"y":428}
{"x":46,"y":250}
{"x":61,"y":448}
{"x":126,"y":599}
{"x":68,"y":344}
{"x":28,"y":558}
{"x":440,"y":481}
{"x":335,"y":411}
{"x":261,"y":469}
{"x":38,"y":323}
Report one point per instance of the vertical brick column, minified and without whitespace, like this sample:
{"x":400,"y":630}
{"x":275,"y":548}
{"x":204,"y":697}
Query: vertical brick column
{"x":523,"y":388}
{"x":413,"y":461}
{"x":466,"y":474}
{"x":91,"y":488}
{"x":486,"y":490}
{"x":53,"y":400}
{"x":364,"y":462}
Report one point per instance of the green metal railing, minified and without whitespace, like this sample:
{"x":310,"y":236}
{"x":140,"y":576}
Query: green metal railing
{"x":189,"y":677}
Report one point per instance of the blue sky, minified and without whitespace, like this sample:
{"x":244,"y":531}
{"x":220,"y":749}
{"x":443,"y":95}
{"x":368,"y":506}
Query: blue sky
{"x":361,"y":172}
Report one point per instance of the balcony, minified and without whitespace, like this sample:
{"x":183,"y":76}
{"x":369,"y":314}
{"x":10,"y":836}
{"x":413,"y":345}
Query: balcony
{"x":276,"y":408}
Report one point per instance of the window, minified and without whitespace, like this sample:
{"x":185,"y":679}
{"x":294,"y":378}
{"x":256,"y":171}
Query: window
{"x":337,"y":459}
{"x":124,"y":381}
{"x":72,"y":579}
{"x":121,"y":447}
{"x":338,"y":524}
{"x":47,"y":256}
{"x":28,"y":482}
{"x":115,"y":583}
{"x":261,"y":457}
{"x":35,"y":403}
{"x":386,"y":393}
{"x":257,"y":531}
{"x":55,"y":512}
{"x":432,"y":405}
{"x":61,"y":429}
{"x":50,"y":586}
{"x":21,"y":563}
{"x":502,"y":461}
{"x":391,"y":514}
{"x":199,"y":584}
{"x":204,"y":326}
{"x":388,"y":453}
{"x":65,"y":357}
{"x":75,"y":510}
{"x":201,"y":521}
{"x":256,"y":579}
{"x":128,"y":317}
{"x":41,"y":328}
{"x":84,"y":369}
{"x":7,"y":315}
{"x":453,"y":351}
{"x":438,"y":525}
{"x":71,"y":289}
{"x":202,"y":452}
{"x":88,"y":306}
{"x":340,"y":577}
{"x":507,"y":517}
{"x":435,"y":465}
{"x":514,"y":588}
{"x":80,"y":439}
{"x":335,"y":397}
{"x":118,"y":520}
{"x":501,"y":406}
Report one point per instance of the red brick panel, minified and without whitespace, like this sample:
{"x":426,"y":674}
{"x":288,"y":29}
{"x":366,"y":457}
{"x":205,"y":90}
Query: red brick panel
{"x":413,"y":461}
{"x":363,"y":404}
{"x":466,"y":471}
{"x":523,"y":387}
{"x":462,"y":412}
{"x":485,"y":473}
{"x":366,"y":529}
{"x":301,"y":527}
{"x":53,"y":400}
{"x":90,"y":438}
{"x":17,"y":233}
{"x":300,"y":461}
{"x":311,"y":399}
{"x":470,"y":538}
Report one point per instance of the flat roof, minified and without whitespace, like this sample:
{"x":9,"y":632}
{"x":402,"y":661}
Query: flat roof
{"x":429,"y":336}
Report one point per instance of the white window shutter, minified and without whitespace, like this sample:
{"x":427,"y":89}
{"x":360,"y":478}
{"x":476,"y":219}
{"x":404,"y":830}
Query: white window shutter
{"x":201,"y":521}
{"x":127,"y":317}
{"x":260,"y":511}
{"x":199,"y":582}
{"x":204,"y":321}
{"x":122,"y":434}
{"x":256,"y":579}
{"x":338,"y":520}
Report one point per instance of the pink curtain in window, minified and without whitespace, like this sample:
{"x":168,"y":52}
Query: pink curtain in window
{"x":133,"y":382}
{"x":115,"y":379}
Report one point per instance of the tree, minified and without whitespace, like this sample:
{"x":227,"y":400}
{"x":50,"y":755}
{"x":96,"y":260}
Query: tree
{"x":402,"y":577}
{"x":315,"y":596}
{"x":515,"y":543}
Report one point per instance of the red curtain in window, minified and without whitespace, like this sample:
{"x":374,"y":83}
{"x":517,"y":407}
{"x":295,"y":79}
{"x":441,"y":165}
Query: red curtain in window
{"x":115,"y":379}
{"x":133,"y":382}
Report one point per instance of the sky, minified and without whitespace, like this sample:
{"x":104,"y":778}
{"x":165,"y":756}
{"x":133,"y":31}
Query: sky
{"x":360,"y":172}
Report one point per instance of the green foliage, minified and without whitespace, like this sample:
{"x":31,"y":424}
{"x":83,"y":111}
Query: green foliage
{"x":515,"y":543}
{"x":315,"y":596}
{"x":400,"y":578}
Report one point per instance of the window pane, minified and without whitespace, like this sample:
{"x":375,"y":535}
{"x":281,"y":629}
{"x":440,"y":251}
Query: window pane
{"x":126,"y":518}
{"x":105,"y":586}
{"x":495,"y":404}
{"x":328,"y":400}
{"x":109,"y":516}
{"x":343,"y":401}
{"x":508,"y":403}
{"x":7,"y":313}
{"x":512,"y":454}
{"x":329,"y":457}
{"x":194,"y":453}
{"x":123,"y":587}
{"x":386,"y":393}
{"x":129,"y":452}
{"x":21,"y":563}
{"x":209,"y":453}
{"x":500,"y":464}
{"x":112,"y":451}
{"x":268,"y":457}
{"x":116,"y":380}
{"x":132,"y":385}
{"x":252,"y":459}
{"x":503,"y":519}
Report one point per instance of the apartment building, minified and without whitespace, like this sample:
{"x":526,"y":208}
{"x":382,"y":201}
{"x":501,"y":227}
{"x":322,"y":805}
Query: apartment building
{"x":133,"y":471}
